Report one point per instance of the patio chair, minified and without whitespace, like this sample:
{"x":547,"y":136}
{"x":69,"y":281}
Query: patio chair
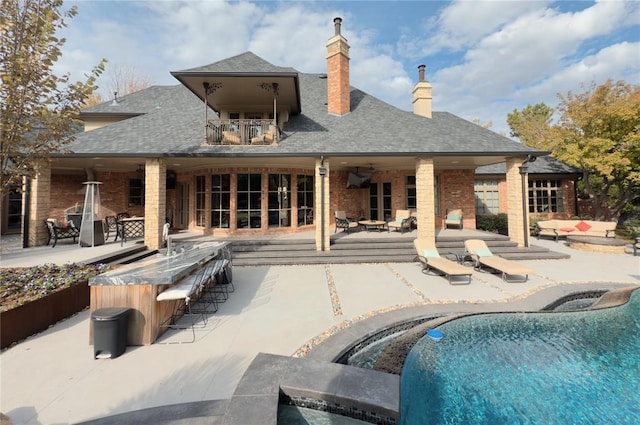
{"x":265,"y":138}
{"x":482,"y":256}
{"x":344,"y":222}
{"x":220,"y":283}
{"x":57,"y":232}
{"x":453,"y":218}
{"x":402,"y":221}
{"x":112,"y":224}
{"x":231,"y":137}
{"x":430,"y":258}
{"x":183,"y":295}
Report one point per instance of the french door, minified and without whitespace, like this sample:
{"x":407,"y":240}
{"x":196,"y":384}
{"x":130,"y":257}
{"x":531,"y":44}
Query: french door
{"x":380,"y":201}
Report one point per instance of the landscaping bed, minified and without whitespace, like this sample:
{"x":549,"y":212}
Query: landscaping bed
{"x":34,"y":298}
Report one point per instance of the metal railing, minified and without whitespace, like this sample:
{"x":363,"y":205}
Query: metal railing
{"x":242,"y":132}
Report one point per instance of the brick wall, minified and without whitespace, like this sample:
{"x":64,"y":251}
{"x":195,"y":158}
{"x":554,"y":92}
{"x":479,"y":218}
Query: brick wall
{"x":456,"y":191}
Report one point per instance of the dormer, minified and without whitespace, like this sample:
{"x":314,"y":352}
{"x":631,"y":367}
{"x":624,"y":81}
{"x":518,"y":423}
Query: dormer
{"x":251,"y":97}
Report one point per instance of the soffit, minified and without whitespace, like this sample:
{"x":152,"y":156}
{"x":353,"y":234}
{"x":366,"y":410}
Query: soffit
{"x":336,"y":163}
{"x":232,"y":90}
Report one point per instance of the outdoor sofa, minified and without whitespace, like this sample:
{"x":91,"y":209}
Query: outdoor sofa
{"x":563,"y":228}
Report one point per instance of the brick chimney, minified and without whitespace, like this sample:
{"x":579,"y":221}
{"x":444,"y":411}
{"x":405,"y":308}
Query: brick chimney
{"x":422,"y":95}
{"x":338,"y":90}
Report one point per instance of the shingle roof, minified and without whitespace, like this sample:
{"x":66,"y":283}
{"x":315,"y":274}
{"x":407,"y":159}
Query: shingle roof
{"x":543,"y":165}
{"x":243,"y":63}
{"x":172,"y":123}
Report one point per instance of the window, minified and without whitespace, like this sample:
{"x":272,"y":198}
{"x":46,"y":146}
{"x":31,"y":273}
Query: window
{"x":220,"y":200}
{"x":201,"y":196}
{"x":305,"y":200}
{"x":487,"y":196}
{"x":249,"y":201}
{"x":136,"y":192}
{"x":546,"y":196}
{"x":410,"y":193}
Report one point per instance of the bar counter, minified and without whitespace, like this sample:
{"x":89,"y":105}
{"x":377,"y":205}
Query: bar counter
{"x":138,"y":284}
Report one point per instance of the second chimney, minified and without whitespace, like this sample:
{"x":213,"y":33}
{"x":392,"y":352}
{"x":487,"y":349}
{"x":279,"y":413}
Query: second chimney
{"x":338,"y":89}
{"x":422,"y":95}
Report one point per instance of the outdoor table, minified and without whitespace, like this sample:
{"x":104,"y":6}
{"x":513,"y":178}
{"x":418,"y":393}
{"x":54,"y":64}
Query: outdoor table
{"x":373,"y":224}
{"x":138,"y":284}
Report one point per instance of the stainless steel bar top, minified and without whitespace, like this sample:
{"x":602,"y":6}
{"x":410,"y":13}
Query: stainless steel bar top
{"x":162,"y":269}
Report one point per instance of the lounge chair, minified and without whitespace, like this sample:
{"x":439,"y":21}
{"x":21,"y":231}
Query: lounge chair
{"x":402,"y":221}
{"x":482,"y":256}
{"x":453,"y":218}
{"x":431,"y":259}
{"x":344,"y":222}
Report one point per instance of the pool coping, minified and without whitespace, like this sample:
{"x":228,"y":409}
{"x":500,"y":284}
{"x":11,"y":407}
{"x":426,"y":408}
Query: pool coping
{"x":269,"y":377}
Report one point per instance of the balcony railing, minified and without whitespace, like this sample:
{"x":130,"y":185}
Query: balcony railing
{"x":242,"y":132}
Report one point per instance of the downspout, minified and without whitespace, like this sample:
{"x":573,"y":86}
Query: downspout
{"x":322,"y":171}
{"x":26,"y":199}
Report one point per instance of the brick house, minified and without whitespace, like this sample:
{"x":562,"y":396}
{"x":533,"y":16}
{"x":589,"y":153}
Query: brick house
{"x":244,"y":147}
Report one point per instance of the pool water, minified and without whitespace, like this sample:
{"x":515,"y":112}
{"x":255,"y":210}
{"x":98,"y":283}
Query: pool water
{"x":536,"y":368}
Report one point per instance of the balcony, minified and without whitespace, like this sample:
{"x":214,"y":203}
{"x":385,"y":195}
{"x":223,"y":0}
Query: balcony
{"x":242,"y":132}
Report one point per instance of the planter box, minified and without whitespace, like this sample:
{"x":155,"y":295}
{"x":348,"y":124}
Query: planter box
{"x":36,"y":316}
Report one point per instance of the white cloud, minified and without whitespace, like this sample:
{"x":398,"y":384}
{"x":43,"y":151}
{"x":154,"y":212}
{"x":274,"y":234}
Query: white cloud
{"x":197,"y":33}
{"x":294,"y":36}
{"x":463,"y":23}
{"x":532,"y":58}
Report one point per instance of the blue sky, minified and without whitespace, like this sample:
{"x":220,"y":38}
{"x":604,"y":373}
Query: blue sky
{"x":484,"y":58}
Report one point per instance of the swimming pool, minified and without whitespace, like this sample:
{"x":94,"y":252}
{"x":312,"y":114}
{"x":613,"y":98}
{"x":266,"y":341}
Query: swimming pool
{"x":527,"y":368}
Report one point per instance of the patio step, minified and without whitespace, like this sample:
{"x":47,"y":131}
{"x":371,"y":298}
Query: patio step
{"x":261,"y":252}
{"x":124,"y":256}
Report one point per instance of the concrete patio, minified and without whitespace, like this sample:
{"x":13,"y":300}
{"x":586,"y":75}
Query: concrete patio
{"x":52,"y":378}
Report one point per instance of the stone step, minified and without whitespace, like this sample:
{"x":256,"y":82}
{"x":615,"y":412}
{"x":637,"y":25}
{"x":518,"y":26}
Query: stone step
{"x":370,"y":250}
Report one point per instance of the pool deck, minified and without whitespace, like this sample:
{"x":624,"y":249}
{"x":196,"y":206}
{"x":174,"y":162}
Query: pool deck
{"x":52,"y":378}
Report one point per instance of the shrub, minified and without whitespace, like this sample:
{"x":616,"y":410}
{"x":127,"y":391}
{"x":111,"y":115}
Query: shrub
{"x":497,"y":223}
{"x":533,"y":229}
{"x":21,"y":285}
{"x":633,"y":227}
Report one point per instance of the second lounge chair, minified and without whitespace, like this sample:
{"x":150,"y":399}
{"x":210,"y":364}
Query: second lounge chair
{"x":430,"y":258}
{"x":482,"y":256}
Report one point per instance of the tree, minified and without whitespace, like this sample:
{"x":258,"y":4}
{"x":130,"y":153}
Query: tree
{"x":121,"y":80}
{"x":531,"y":124}
{"x":486,"y":125}
{"x":597,"y":131}
{"x":38,"y":109}
{"x":124,"y":80}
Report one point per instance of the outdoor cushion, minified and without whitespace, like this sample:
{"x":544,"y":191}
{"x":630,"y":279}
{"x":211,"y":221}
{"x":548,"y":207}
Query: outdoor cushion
{"x":428,"y":253}
{"x":567,"y":229}
{"x":483,"y":252}
{"x":582,"y":226}
{"x":399,"y":219}
{"x":453,"y":217}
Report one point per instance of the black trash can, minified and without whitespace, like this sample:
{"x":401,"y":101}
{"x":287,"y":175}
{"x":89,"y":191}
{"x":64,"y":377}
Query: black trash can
{"x":109,"y":331}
